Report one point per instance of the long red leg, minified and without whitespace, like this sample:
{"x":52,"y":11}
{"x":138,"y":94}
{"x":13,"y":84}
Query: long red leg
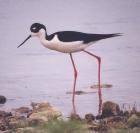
{"x":99,"y":80}
{"x":74,"y":85}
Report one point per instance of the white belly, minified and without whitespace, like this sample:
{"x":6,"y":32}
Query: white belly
{"x":65,"y":47}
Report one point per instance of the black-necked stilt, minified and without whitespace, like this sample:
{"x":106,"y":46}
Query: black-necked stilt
{"x":70,"y":42}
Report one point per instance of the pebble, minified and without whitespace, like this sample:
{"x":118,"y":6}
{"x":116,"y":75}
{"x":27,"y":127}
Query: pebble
{"x":3,"y":99}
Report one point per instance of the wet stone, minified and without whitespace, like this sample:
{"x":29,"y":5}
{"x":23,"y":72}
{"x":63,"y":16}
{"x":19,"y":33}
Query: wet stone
{"x":102,"y":86}
{"x":5,"y":114}
{"x":77,"y":92}
{"x":89,"y":118}
{"x":25,"y":130}
{"x":17,"y":122}
{"x":98,"y":117}
{"x":4,"y":120}
{"x":2,"y":99}
{"x":133,"y":121}
{"x":44,"y":112}
{"x":22,"y":110}
{"x":75,"y":117}
{"x":35,"y":122}
{"x":136,"y":130}
{"x":110,"y":109}
{"x":93,"y":126}
{"x":113,"y":119}
{"x":4,"y":123}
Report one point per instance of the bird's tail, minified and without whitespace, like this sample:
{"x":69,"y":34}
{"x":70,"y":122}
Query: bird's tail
{"x":112,"y":35}
{"x":105,"y":36}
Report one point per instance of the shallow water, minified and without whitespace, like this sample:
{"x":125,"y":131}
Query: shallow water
{"x":33,"y":73}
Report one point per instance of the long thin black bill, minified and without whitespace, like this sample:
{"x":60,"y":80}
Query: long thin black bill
{"x":24,"y":41}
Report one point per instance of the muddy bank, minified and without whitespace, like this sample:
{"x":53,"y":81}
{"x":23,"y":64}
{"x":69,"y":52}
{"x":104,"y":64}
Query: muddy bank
{"x":30,"y":120}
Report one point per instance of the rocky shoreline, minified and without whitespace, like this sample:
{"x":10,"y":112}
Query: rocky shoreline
{"x":24,"y":119}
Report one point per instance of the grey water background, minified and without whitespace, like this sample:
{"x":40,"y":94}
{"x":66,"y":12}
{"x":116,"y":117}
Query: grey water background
{"x":33,"y":73}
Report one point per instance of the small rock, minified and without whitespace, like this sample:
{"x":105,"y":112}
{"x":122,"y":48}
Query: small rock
{"x":102,"y":86}
{"x":136,"y":130}
{"x":37,"y":107}
{"x":7,"y":131}
{"x":89,"y":118}
{"x":77,"y":92}
{"x":4,"y":120}
{"x":5,"y":114}
{"x":3,"y":123}
{"x":133,"y":121}
{"x":26,"y":130}
{"x":33,"y":105}
{"x":115,"y":119}
{"x":75,"y":117}
{"x":98,"y":117}
{"x":45,"y":115}
{"x":22,"y":110}
{"x":110,"y":109}
{"x":45,"y":112}
{"x":117,"y":125}
{"x":18,"y":122}
{"x":35,"y":122}
{"x":2,"y":99}
{"x":94,"y":126}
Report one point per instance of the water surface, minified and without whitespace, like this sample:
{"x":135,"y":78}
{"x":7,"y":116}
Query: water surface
{"x":33,"y":73}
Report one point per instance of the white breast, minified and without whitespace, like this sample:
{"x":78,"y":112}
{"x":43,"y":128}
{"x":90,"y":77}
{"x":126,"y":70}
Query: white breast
{"x":65,"y":47}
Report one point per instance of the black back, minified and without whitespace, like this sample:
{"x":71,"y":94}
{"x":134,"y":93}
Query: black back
{"x":70,"y":36}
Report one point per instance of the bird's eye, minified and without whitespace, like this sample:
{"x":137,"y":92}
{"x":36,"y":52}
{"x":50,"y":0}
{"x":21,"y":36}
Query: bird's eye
{"x":34,"y":28}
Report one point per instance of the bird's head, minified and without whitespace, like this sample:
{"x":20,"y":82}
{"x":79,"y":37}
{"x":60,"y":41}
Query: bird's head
{"x":36,"y":29}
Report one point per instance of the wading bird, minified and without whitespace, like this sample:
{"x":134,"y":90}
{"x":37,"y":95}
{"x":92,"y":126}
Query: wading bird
{"x":70,"y":42}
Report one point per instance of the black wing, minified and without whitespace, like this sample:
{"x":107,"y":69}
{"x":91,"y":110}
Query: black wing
{"x":70,"y":36}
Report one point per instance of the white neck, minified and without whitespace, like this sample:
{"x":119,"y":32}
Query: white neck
{"x":42,"y":36}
